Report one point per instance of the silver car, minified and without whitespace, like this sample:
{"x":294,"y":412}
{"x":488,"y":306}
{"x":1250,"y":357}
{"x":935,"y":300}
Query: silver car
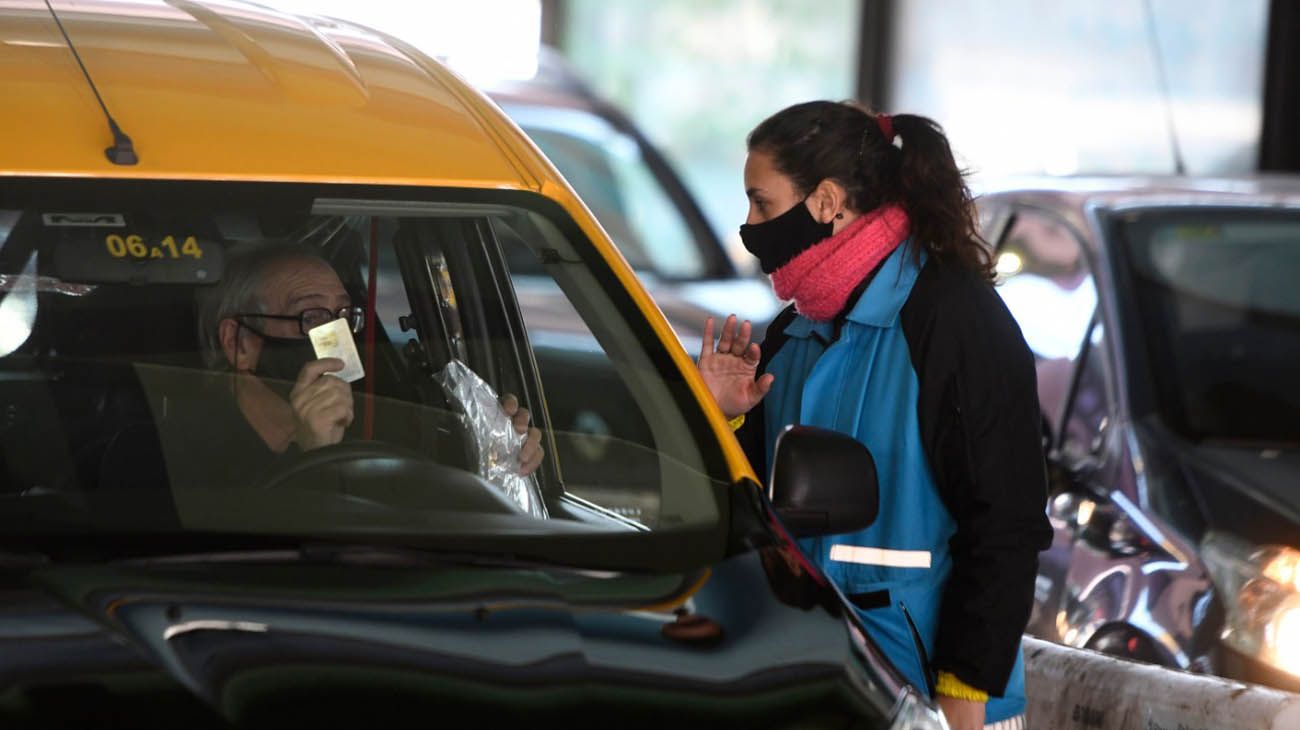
{"x":1164,"y":315}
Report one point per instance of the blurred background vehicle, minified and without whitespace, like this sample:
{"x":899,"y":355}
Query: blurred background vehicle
{"x":638,"y":198}
{"x":1164,"y":318}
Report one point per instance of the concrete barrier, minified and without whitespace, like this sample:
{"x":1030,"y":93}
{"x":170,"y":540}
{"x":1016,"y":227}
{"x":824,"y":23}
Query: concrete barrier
{"x":1077,"y":689}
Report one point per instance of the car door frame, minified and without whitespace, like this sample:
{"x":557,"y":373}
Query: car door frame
{"x":1072,"y":487}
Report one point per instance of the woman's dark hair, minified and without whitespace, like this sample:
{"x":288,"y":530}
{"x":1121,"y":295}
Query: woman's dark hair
{"x":841,"y":141}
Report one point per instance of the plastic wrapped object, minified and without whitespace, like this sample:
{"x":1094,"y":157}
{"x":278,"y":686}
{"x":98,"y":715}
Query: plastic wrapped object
{"x":495,"y":438}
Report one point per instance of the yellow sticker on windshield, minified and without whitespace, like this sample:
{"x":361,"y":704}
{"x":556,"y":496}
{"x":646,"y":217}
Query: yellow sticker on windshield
{"x":135,"y":247}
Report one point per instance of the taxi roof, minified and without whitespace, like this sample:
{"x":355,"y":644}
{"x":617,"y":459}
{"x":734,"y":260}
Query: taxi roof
{"x":221,"y":89}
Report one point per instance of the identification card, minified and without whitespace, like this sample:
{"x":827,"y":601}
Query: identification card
{"x":334,"y":339}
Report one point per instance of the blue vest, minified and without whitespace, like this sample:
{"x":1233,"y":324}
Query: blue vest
{"x":864,"y":385}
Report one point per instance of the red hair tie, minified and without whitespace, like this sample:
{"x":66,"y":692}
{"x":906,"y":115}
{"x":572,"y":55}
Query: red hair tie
{"x":886,"y":124}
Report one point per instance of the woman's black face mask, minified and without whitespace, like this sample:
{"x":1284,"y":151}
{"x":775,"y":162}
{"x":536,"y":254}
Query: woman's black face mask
{"x":777,"y":241}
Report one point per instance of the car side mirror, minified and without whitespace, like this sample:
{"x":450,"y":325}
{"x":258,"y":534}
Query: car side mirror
{"x":823,"y":482}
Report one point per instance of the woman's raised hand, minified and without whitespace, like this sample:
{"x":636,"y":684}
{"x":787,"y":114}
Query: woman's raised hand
{"x":729,"y":367}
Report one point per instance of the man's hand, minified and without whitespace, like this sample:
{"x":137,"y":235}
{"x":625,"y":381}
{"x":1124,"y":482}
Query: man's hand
{"x":729,"y":369}
{"x":322,"y":404}
{"x":962,"y":714}
{"x":530,"y":454}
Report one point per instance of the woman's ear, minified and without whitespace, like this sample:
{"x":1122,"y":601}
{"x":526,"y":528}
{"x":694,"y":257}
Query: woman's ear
{"x":828,"y":200}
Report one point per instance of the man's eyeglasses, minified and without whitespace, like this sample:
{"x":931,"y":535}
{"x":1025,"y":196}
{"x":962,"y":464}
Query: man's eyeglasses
{"x":309,"y":319}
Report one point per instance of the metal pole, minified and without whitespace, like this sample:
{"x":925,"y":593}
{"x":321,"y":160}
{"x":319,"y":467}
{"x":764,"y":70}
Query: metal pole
{"x":553,"y":20}
{"x":1279,"y":146}
{"x":875,"y":44}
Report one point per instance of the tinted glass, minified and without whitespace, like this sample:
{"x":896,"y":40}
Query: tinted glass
{"x":1215,"y":293}
{"x":134,"y":401}
{"x":605,"y":448}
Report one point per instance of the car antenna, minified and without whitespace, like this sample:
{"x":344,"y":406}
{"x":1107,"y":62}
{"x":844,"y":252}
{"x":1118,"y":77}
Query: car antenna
{"x":1180,"y":168}
{"x":123,"y":151}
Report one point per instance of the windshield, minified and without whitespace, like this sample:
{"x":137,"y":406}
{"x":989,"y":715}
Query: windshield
{"x":157,"y":345}
{"x":1216,"y":295}
{"x":612,"y":176}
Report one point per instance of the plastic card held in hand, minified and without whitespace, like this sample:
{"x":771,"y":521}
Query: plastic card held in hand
{"x":334,"y":339}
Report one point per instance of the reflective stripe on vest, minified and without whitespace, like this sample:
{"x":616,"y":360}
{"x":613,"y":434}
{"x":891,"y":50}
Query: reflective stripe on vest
{"x":880,"y":556}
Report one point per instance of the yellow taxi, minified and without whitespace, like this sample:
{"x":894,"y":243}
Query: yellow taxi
{"x":324,"y":401}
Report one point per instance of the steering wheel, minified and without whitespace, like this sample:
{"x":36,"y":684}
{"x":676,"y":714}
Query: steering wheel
{"x":396,"y":475}
{"x":343,"y":453}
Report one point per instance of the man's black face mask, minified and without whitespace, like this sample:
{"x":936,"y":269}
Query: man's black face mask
{"x":282,"y":358}
{"x":779,"y":240}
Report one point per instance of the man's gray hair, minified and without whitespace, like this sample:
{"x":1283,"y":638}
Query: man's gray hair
{"x":240,"y":289}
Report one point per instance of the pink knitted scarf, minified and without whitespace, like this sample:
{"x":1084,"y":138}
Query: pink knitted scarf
{"x":820,"y":279}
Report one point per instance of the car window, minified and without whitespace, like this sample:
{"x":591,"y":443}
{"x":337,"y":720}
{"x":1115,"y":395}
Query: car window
{"x":1218,"y":312}
{"x":130,"y":405}
{"x":607,"y":169}
{"x":605,"y":447}
{"x":1045,"y":281}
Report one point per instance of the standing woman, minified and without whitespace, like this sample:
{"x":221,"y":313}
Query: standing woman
{"x":896,"y":337}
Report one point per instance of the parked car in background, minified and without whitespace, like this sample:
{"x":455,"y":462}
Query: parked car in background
{"x":1164,"y":315}
{"x":398,"y":577}
{"x":638,"y":197}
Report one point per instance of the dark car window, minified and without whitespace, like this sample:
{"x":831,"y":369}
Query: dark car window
{"x":611,"y":175}
{"x":1215,"y":293}
{"x":123,"y":413}
{"x":1045,"y":281}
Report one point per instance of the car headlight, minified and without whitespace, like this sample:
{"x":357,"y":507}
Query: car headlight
{"x":1260,"y":587}
{"x":914,"y":713}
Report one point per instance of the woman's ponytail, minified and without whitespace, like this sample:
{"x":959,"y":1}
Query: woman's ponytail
{"x":817,"y":140}
{"x":933,"y":191}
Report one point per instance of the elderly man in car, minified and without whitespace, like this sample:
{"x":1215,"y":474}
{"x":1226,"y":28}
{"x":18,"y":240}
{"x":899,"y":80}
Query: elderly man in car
{"x":254,"y":323}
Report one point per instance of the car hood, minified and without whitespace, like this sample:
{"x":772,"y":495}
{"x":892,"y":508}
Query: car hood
{"x":746,"y":639}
